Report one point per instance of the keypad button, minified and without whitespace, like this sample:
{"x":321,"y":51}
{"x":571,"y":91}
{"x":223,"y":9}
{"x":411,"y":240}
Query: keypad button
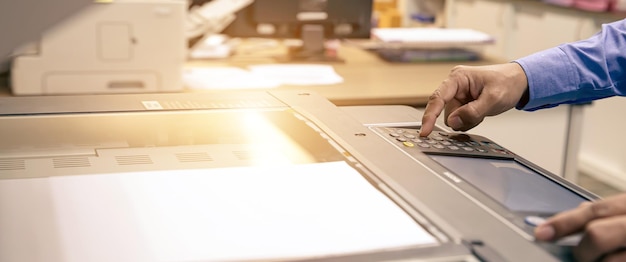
{"x":499,"y":151}
{"x":445,"y":142}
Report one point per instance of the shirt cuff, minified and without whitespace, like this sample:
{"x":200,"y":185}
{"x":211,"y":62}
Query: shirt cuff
{"x":550,"y":76}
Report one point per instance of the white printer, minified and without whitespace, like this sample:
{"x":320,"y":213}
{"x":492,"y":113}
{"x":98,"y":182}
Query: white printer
{"x":122,"y":46}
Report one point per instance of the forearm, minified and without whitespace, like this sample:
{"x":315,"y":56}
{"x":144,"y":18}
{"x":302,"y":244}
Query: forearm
{"x":578,"y":72}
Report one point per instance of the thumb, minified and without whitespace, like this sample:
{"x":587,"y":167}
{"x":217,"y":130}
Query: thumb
{"x":468,"y":116}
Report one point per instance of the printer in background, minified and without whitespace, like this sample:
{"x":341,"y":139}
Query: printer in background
{"x":122,"y":46}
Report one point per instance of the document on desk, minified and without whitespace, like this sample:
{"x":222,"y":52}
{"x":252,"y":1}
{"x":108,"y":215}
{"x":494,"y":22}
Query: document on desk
{"x":241,"y":213}
{"x":302,"y":74}
{"x":225,"y":78}
{"x":418,"y":37}
{"x":260,"y":76}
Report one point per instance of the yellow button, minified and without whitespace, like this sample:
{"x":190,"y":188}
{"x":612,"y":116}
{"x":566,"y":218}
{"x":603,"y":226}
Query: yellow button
{"x":408,"y":144}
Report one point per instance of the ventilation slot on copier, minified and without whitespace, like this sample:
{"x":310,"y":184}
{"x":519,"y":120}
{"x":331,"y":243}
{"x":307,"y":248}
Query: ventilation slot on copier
{"x":69,"y":162}
{"x":194,"y":157}
{"x":12,"y":164}
{"x":133,"y":160}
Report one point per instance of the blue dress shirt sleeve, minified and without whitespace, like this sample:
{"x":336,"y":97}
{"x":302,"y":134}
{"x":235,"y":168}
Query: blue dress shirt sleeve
{"x":578,"y":72}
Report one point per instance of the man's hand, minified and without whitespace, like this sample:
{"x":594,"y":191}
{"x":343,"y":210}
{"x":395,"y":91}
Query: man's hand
{"x":603,"y":224}
{"x":471,"y":93}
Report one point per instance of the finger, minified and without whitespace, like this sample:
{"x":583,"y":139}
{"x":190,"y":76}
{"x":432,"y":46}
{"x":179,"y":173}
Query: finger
{"x":431,"y":113}
{"x":574,"y":220}
{"x":468,"y":116}
{"x":469,"y":108}
{"x":436,"y":103}
{"x":479,"y":102}
{"x":451,"y":106}
{"x":602,"y":236}
{"x":564,"y":223}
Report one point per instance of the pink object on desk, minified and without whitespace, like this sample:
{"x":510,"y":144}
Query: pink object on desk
{"x":592,"y":5}
{"x":618,"y":6}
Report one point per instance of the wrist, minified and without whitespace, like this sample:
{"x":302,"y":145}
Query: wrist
{"x":520,"y":82}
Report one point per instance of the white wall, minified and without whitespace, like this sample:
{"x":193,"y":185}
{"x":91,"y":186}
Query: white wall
{"x":603,"y":149}
{"x":537,"y":136}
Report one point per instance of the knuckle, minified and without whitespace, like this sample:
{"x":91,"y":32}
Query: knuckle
{"x":599,"y":209}
{"x":459,"y":72}
{"x":458,"y":68}
{"x":435,"y":95}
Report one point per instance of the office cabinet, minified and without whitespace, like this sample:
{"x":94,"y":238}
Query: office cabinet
{"x":488,"y":16}
{"x":534,"y":29}
{"x":524,"y":27}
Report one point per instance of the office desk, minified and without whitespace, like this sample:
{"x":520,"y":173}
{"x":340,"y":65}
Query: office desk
{"x":368,"y":80}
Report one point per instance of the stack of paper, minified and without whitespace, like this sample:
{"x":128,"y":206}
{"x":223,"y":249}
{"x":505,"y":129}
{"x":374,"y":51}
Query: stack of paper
{"x":430,"y":37}
{"x":419,"y":44}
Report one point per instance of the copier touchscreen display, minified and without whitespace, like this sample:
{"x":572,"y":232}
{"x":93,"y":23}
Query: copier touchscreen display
{"x":512,"y":184}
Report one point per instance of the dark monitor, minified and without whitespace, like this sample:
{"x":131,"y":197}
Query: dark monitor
{"x":313,"y":21}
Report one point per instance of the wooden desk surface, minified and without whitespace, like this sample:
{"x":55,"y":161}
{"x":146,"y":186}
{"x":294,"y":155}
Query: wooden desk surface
{"x":368,"y":80}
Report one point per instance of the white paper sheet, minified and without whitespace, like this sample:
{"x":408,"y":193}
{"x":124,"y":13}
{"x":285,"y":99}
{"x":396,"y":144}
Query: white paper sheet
{"x":294,"y":74}
{"x":225,"y":78}
{"x":260,"y":76}
{"x":243,"y":213}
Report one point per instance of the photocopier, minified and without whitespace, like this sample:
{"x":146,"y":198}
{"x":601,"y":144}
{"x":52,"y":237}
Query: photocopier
{"x":281,"y":175}
{"x":122,"y":46}
{"x":260,"y":176}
